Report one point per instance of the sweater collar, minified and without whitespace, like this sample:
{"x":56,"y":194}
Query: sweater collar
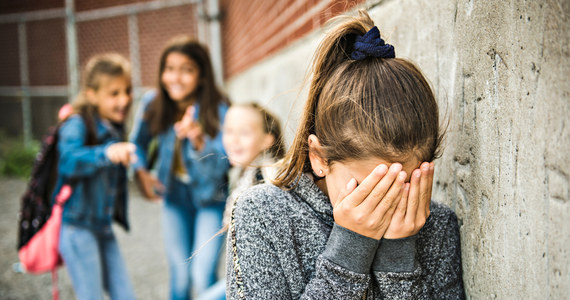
{"x":308,"y":191}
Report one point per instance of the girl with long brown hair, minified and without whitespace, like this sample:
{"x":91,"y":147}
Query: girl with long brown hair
{"x":185,"y":116}
{"x":350,"y":214}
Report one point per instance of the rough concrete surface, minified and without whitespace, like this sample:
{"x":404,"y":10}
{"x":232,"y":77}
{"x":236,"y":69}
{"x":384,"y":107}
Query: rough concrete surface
{"x":142,"y":250}
{"x":501,"y":73}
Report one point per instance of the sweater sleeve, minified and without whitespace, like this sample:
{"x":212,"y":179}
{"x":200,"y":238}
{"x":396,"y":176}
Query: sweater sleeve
{"x":399,"y":274}
{"x":76,"y":159}
{"x":342,"y":271}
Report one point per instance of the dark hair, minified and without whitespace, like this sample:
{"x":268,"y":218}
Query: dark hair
{"x":163,"y":111}
{"x":360,"y":109}
{"x":109,"y":64}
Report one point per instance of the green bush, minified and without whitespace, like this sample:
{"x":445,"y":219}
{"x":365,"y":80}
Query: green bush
{"x":16,"y":159}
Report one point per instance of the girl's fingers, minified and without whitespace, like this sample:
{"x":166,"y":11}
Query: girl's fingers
{"x":366,"y":186}
{"x":425,"y":190}
{"x":194,"y":131}
{"x":133,"y":158}
{"x":381,"y":188}
{"x":388,"y":202}
{"x":190,"y":112}
{"x":400,"y":211}
{"x":431,"y":172}
{"x":349,"y":188}
{"x":188,"y":117}
{"x":413,"y":196}
{"x":126,"y":154}
{"x":158,"y":185}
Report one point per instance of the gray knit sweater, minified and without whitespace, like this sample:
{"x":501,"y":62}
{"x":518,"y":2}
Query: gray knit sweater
{"x":285,"y":245}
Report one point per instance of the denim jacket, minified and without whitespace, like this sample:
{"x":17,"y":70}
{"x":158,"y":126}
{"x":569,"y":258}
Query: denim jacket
{"x":207,"y":169}
{"x":99,"y":186}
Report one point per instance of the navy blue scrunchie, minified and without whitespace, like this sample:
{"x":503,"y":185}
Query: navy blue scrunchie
{"x":371,"y":44}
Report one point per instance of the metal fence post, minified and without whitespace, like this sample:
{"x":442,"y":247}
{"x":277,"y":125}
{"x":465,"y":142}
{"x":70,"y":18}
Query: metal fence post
{"x":72,"y":51}
{"x":25,"y":83}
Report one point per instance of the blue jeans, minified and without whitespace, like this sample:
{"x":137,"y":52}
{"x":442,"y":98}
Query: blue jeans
{"x":191,"y":248}
{"x":94,"y":263}
{"x":215,"y":292}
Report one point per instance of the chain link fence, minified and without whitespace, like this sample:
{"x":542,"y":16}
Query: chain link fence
{"x":47,"y":42}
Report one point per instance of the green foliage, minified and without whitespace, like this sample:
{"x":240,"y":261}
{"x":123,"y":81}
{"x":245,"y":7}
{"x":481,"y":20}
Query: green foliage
{"x":17,"y":159}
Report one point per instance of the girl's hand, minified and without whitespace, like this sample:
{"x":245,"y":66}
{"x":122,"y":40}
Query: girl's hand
{"x":187,"y":127}
{"x":121,"y":153}
{"x":413,"y":209}
{"x":149,"y":185}
{"x":368,"y":208}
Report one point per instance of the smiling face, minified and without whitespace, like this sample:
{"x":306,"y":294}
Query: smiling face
{"x":113,"y":97}
{"x":180,"y":77}
{"x":243,"y":136}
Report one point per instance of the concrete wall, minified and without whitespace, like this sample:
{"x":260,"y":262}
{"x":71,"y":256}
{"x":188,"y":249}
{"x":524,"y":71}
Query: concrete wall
{"x":501,"y":72}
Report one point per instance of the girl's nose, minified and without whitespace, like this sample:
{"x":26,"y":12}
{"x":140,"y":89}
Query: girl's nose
{"x":176,"y":76}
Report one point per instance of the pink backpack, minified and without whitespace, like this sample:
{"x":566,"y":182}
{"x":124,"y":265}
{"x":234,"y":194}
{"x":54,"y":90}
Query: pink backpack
{"x":40,"y":254}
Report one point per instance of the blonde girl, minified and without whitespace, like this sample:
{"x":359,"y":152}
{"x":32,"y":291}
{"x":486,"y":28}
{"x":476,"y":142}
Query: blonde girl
{"x":253,"y":141}
{"x":93,"y":157}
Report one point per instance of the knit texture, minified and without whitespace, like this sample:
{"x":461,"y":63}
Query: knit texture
{"x":285,"y":245}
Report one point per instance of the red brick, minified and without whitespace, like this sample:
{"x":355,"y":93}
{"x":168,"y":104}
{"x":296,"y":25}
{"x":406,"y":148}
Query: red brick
{"x":18,"y":6}
{"x":83,"y":5}
{"x":101,"y":36}
{"x":156,"y":28}
{"x":248,"y":26}
{"x":47,"y":52}
{"x":9,"y":55}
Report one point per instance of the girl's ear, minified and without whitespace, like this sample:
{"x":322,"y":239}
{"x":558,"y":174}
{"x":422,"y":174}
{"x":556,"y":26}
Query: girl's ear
{"x":90,"y":96}
{"x":268,"y":141}
{"x":318,"y":163}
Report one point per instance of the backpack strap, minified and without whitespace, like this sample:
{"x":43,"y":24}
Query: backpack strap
{"x":54,"y":285}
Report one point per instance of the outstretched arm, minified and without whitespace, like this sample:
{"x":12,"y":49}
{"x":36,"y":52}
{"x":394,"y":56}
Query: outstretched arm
{"x":76,"y":159}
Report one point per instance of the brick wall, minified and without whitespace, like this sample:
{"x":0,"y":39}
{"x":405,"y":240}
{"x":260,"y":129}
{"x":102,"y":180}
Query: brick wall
{"x":47,"y":56}
{"x":85,"y":5}
{"x":100,"y":36}
{"x":47,"y":49}
{"x":18,"y":6}
{"x":155,"y":29}
{"x":9,"y":58}
{"x":253,"y":30}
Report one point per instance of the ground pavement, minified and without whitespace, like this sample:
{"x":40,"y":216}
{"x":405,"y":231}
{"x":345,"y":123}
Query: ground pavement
{"x":142,"y":249}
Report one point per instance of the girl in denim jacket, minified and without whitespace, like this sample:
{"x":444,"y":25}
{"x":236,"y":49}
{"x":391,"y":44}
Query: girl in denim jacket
{"x":93,"y":160}
{"x":184,"y":115}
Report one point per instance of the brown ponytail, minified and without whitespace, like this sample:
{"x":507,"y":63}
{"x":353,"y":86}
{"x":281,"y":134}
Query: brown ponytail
{"x":359,"y":109}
